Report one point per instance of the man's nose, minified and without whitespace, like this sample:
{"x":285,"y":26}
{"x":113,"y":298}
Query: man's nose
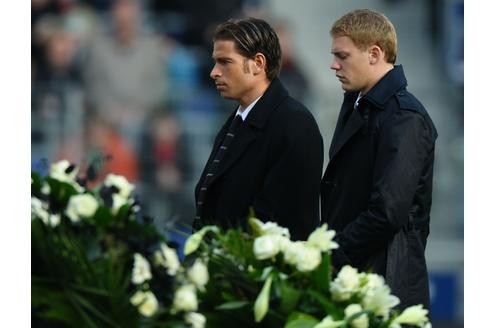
{"x":335,"y":65}
{"x":215,"y":72}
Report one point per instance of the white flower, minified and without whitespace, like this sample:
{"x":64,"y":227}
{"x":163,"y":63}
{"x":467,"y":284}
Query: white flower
{"x":361,"y":321}
{"x":39,"y":210}
{"x":304,"y":257}
{"x":81,"y":206}
{"x":321,"y":238}
{"x":141,"y":270}
{"x":192,"y":243}
{"x":45,"y":189}
{"x":53,"y":220}
{"x":195,"y":319}
{"x":167,"y":257}
{"x":146,"y":303}
{"x":58,"y":171}
{"x":198,"y":274}
{"x":268,"y":228}
{"x":120,"y":182}
{"x":371,"y":281}
{"x":345,"y":284}
{"x":413,"y":315}
{"x":263,"y":300}
{"x":379,"y":300}
{"x":328,"y":322}
{"x":117,"y":202}
{"x":268,"y":246}
{"x":185,"y":299}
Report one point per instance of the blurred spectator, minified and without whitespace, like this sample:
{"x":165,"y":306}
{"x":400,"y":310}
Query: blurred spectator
{"x":166,"y":166}
{"x":124,"y":77}
{"x":291,"y":74}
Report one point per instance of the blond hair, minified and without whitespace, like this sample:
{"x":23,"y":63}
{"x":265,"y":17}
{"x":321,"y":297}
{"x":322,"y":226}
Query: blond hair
{"x":367,"y":28}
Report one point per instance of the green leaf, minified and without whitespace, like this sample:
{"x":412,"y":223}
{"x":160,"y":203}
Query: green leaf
{"x":300,"y":320}
{"x":232,"y":305}
{"x":321,"y":276}
{"x":289,"y":297}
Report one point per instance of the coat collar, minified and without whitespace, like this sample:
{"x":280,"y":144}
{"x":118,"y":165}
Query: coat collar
{"x":388,"y":85}
{"x":273,"y":96}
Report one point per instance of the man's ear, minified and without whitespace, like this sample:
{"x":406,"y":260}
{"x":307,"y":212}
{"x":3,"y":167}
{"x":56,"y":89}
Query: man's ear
{"x":259,"y":61}
{"x":376,"y":54}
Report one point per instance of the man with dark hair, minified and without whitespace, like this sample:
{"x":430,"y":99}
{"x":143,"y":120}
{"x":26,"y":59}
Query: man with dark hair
{"x":269,"y":153}
{"x":376,"y":190}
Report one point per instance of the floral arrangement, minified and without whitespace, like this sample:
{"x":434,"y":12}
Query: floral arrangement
{"x":264,"y":279}
{"x":98,"y":262}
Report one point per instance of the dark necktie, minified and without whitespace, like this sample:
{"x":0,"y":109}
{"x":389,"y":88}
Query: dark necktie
{"x":212,"y":168}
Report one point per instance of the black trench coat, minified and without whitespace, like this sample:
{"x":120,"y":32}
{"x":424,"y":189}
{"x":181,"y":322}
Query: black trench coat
{"x":274,"y":165}
{"x":376,"y":190}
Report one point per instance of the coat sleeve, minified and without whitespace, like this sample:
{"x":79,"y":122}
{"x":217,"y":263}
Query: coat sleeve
{"x":290,"y":192}
{"x":403,"y":145}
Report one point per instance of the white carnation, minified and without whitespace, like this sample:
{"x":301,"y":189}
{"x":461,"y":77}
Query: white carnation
{"x":58,"y":171}
{"x":345,"y":284}
{"x":304,"y":257}
{"x":167,"y":257}
{"x":141,"y":269}
{"x":379,"y":300}
{"x":198,"y":274}
{"x":81,"y":206}
{"x":413,"y":315}
{"x":269,"y":228}
{"x":185,"y":299}
{"x":268,"y":246}
{"x":328,"y":322}
{"x":120,"y":182}
{"x":361,"y":321}
{"x":321,"y":238}
{"x":146,"y":303}
{"x":195,"y":319}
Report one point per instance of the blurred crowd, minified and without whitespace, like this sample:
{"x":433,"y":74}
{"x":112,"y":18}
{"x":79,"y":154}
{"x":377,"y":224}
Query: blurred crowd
{"x":124,"y":85}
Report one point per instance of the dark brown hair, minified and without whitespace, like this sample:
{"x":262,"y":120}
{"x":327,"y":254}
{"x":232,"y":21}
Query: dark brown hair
{"x":250,"y":36}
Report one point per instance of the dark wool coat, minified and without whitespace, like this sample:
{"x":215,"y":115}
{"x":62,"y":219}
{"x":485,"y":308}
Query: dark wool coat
{"x":376,"y":190}
{"x":274,"y":165}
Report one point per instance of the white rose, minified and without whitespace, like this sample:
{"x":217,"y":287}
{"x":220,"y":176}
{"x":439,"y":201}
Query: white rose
{"x":321,"y":238}
{"x":304,"y":257}
{"x":413,"y":315}
{"x":58,"y":171}
{"x":328,"y":322}
{"x":120,"y":182}
{"x":361,"y":321}
{"x":81,"y":206}
{"x":268,"y":246}
{"x":198,"y":274}
{"x":185,"y":299}
{"x":167,"y":257}
{"x":196,"y":320}
{"x":141,"y":269}
{"x":345,"y":284}
{"x":379,"y":300}
{"x":146,"y":303}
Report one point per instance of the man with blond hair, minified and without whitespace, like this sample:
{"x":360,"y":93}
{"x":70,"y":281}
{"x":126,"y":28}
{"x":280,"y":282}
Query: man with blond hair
{"x":376,"y":190}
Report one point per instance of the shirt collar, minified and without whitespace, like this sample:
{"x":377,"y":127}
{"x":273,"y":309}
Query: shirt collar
{"x":246,"y":111}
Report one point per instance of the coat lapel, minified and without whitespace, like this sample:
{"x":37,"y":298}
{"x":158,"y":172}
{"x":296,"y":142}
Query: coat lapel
{"x":245,"y":136}
{"x":353,"y":124}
